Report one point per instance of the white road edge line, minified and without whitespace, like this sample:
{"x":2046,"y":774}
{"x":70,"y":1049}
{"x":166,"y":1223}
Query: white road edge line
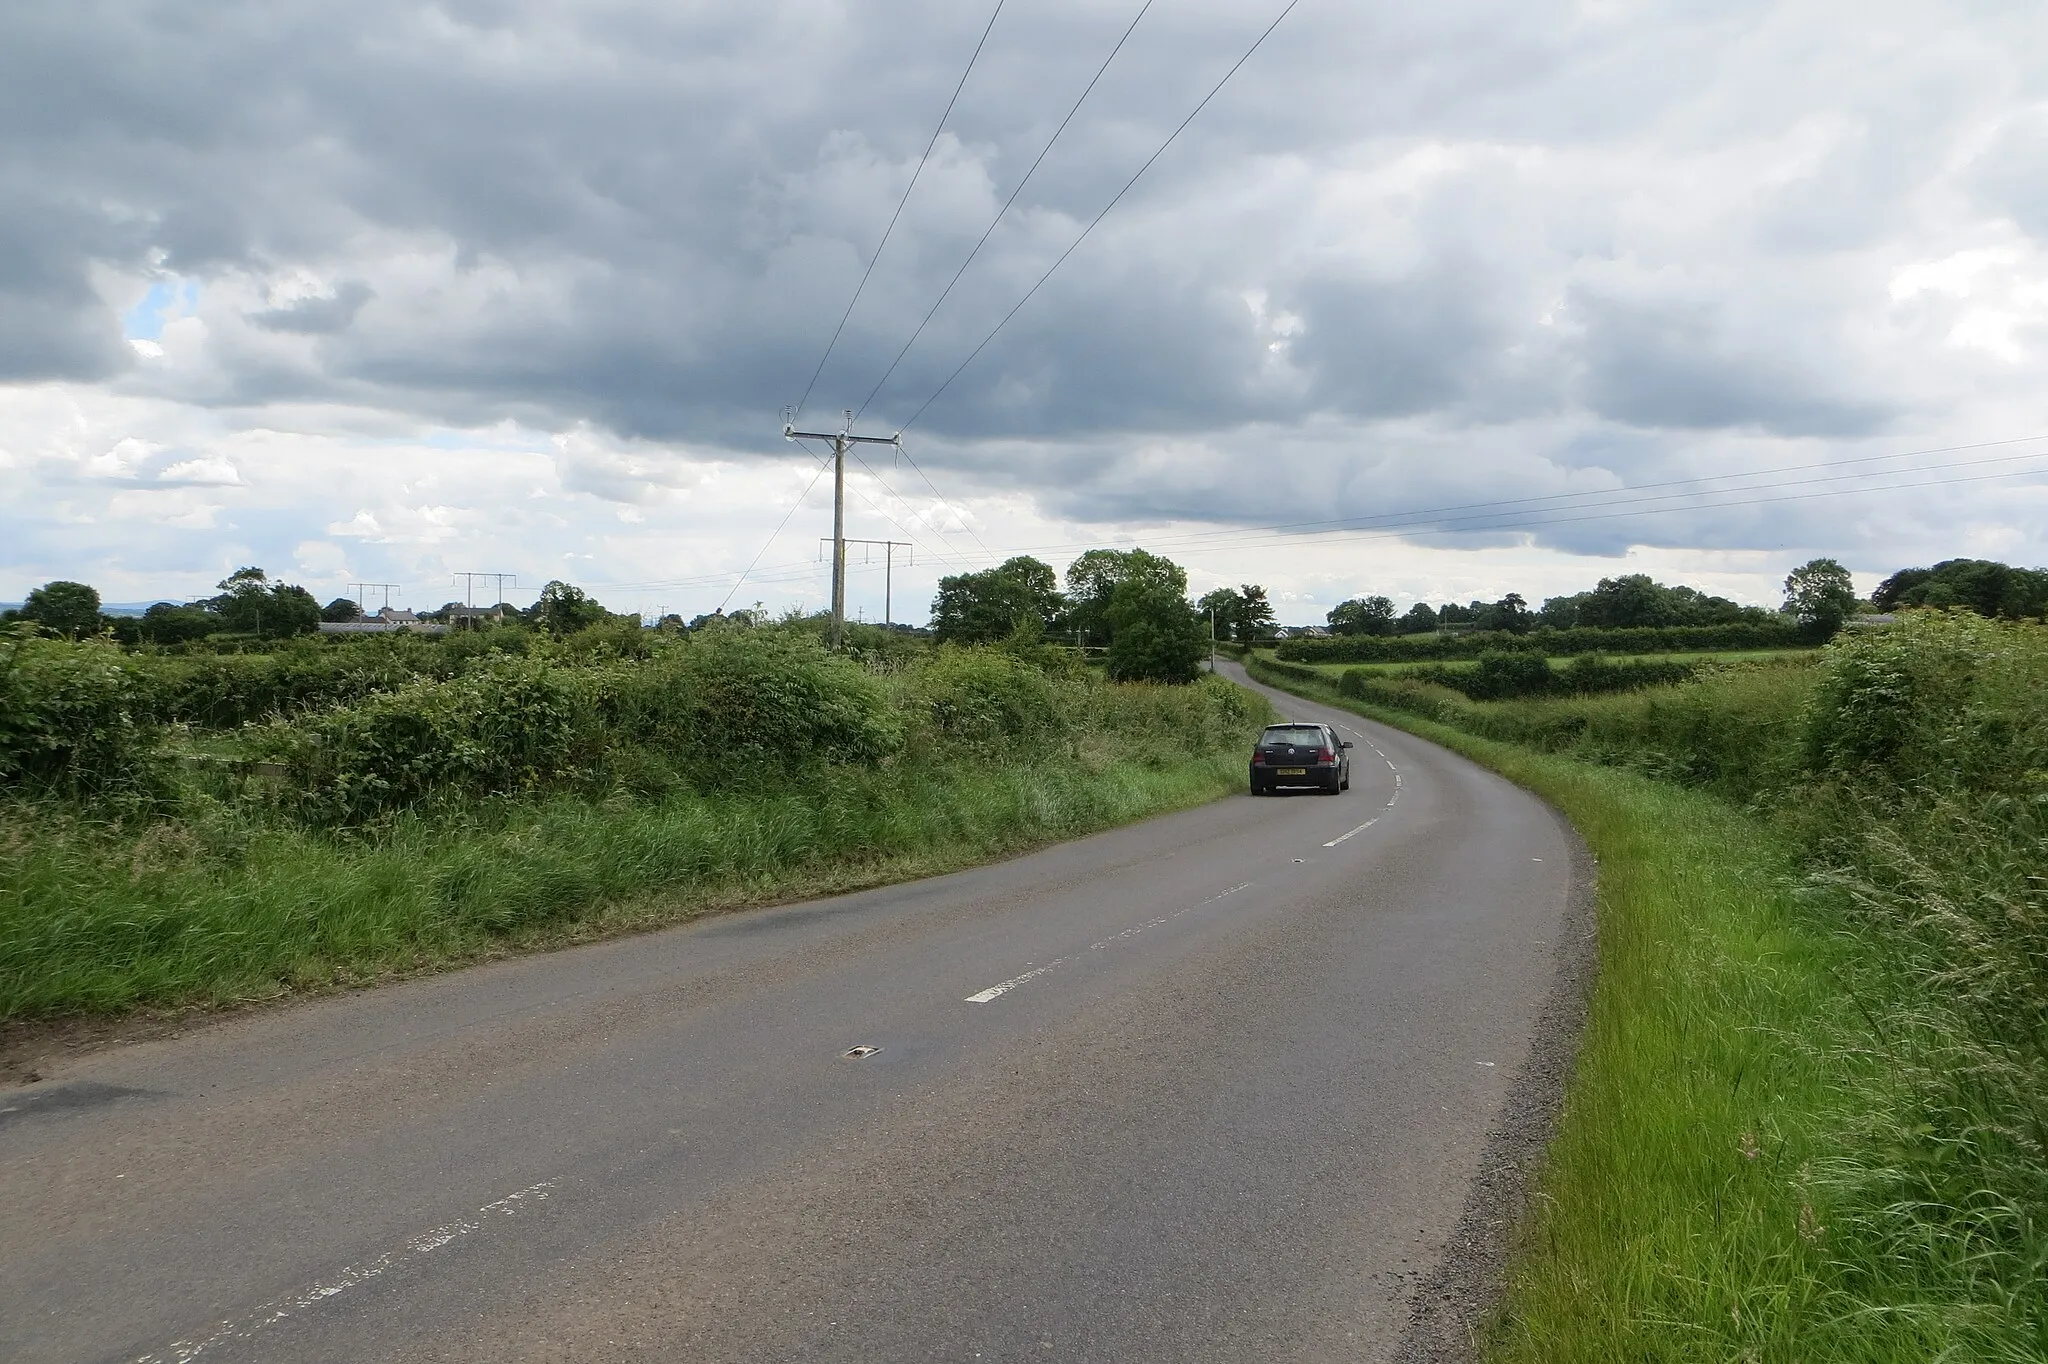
{"x":346,"y":1278}
{"x":995,"y":991}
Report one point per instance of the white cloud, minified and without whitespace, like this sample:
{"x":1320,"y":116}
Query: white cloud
{"x":458,"y":293}
{"x":207,"y":470}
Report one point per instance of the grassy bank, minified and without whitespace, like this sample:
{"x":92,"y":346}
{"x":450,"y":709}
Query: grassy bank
{"x":1808,"y":1117}
{"x":100,"y":919}
{"x":514,"y":803}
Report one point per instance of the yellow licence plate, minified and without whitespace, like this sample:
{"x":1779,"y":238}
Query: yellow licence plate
{"x":1294,"y":771}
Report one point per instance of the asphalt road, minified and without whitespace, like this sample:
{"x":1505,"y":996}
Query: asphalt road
{"x":1216,"y":1086}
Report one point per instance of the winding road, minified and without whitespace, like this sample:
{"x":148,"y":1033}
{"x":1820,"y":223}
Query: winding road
{"x":1230,"y":1084}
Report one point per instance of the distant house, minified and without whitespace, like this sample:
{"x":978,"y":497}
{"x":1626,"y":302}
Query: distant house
{"x":1304,"y":632}
{"x":388,"y":620}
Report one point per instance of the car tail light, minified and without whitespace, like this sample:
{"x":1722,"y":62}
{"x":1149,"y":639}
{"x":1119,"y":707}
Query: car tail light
{"x":1259,"y":756}
{"x":1324,"y":755}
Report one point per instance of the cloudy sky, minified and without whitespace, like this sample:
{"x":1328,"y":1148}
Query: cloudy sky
{"x":1438,"y":300}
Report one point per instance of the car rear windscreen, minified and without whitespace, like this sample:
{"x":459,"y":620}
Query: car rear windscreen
{"x":1302,"y":736}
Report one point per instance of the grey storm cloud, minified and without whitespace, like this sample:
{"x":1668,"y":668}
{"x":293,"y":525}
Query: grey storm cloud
{"x":319,"y":314}
{"x":1431,"y":223}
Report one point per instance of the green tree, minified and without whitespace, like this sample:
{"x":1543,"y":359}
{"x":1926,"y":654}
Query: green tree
{"x":1634,"y":599}
{"x":169,"y":623}
{"x":563,"y":609}
{"x":1510,"y":613}
{"x":1255,"y":618}
{"x":1560,"y":613}
{"x":1093,"y":580}
{"x":68,"y":609}
{"x":249,"y":603}
{"x":341,"y":611}
{"x":1155,"y":636}
{"x":1364,"y":616}
{"x":1420,"y":620}
{"x":1242,"y":613}
{"x":1983,"y":585}
{"x":981,"y":608}
{"x":1821,"y":595}
{"x":1222,"y":607}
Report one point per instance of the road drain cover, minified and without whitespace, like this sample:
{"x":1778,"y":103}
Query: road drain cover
{"x":860,"y":1053}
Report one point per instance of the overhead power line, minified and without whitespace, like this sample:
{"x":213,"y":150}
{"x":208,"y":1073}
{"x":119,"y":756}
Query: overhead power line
{"x":891,"y":228}
{"x":994,"y":222}
{"x":951,"y":551}
{"x":737,"y":582}
{"x":1114,"y":201}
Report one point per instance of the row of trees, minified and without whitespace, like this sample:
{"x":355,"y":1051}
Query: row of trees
{"x":1132,"y":602}
{"x":1632,"y":601}
{"x":1992,"y":590}
{"x":1820,"y":595}
{"x":251,"y":605}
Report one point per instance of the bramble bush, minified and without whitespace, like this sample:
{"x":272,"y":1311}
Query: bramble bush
{"x":503,"y":729}
{"x":73,"y":722}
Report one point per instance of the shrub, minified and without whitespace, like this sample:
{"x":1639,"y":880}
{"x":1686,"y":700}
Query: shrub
{"x":509,"y":727}
{"x":725,"y":703}
{"x":1944,"y":700}
{"x":986,"y":699}
{"x":72,"y":719}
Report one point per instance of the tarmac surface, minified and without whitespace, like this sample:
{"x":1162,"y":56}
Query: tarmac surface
{"x":1255,"y":1081}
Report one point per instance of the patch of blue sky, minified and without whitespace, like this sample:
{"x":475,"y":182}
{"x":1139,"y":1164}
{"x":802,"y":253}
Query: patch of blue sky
{"x":145,"y":321}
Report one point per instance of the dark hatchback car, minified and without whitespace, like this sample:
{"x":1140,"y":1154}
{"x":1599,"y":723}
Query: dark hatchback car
{"x":1300,"y":754}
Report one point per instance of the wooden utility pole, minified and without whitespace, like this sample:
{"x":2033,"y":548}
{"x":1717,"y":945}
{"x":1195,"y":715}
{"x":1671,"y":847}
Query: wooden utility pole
{"x":889,"y":548}
{"x":840,"y":440}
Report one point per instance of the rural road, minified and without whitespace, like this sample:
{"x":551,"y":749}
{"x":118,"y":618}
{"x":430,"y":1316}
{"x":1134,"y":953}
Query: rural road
{"x":1219,"y":1086}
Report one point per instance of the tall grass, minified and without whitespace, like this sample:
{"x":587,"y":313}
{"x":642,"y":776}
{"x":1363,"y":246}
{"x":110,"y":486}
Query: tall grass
{"x":223,"y":907}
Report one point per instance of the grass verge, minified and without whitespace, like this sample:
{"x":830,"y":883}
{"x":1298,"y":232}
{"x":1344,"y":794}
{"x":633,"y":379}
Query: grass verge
{"x":224,"y":909}
{"x":1708,"y":1192}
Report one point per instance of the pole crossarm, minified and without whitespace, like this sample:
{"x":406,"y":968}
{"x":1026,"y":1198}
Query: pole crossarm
{"x":791,"y":433}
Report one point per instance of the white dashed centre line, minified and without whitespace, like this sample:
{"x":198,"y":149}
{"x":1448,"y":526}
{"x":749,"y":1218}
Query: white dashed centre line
{"x":995,"y":991}
{"x":1390,"y":799}
{"x":349,"y":1277}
